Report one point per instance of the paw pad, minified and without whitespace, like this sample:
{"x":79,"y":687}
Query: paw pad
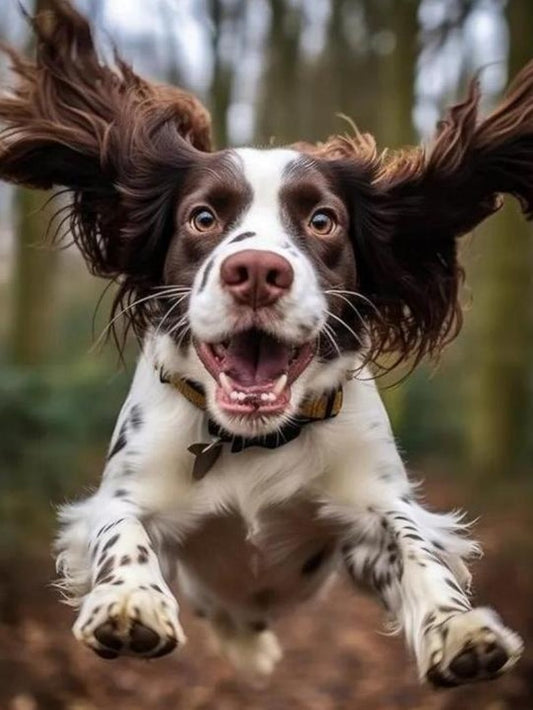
{"x":135,"y":622}
{"x":475,"y":646}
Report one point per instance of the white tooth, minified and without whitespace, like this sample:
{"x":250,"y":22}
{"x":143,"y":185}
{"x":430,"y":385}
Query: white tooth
{"x":265,"y":396}
{"x":242,"y":396}
{"x":234,"y":395}
{"x":280,"y":385}
{"x":272,"y":397}
{"x":225,"y":383}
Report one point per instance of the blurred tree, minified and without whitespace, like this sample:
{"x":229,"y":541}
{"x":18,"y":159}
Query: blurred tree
{"x":500,"y":347}
{"x":173,"y":51}
{"x":35,"y":268}
{"x":338,"y":80}
{"x":395,"y":44}
{"x":34,"y":274}
{"x":395,"y":32}
{"x":278,"y":108}
{"x":227,"y":30}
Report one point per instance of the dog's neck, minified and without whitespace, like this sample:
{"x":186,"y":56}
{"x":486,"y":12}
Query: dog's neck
{"x":313,"y":409}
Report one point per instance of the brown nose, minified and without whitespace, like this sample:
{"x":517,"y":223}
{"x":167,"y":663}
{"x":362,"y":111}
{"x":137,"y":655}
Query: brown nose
{"x":256,"y":278}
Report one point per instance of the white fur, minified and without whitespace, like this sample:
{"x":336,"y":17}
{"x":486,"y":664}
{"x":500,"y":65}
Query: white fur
{"x":346,"y":468}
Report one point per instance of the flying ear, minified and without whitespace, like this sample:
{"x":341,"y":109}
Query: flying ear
{"x":459,"y":181}
{"x":408,"y":208}
{"x":118,"y":142}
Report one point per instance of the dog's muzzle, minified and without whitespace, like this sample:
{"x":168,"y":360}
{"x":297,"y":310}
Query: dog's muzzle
{"x":254,"y":371}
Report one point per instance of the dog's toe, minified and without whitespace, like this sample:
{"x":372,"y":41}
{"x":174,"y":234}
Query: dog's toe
{"x":474,"y":646}
{"x":106,"y":634}
{"x":134,"y":622}
{"x":142,"y":638}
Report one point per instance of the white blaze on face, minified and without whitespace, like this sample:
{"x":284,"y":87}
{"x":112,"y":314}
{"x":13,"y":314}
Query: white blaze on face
{"x":212,"y":310}
{"x":264,"y":172}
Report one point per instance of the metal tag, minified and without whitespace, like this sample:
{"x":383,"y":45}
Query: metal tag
{"x":206,"y":455}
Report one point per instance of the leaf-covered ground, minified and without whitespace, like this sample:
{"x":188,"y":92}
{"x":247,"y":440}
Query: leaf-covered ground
{"x":336,"y":654}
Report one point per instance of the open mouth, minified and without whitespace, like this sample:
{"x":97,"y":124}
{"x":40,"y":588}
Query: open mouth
{"x":254,"y":371}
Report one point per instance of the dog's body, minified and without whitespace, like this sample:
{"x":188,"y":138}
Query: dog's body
{"x":261,"y":282}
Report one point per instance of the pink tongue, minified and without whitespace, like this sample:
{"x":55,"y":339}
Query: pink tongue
{"x":254,"y":358}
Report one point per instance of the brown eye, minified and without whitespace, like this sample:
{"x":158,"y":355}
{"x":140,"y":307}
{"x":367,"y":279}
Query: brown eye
{"x":322,"y":222}
{"x":203,"y":220}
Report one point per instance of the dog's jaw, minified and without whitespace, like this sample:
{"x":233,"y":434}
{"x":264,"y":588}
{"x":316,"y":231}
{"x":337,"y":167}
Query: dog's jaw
{"x":254,"y":372}
{"x":316,"y":378}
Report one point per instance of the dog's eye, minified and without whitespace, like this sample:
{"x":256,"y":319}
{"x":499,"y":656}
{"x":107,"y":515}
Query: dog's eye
{"x":322,"y":222}
{"x":203,"y":220}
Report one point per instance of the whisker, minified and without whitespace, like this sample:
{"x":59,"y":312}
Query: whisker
{"x":169,"y":311}
{"x":175,"y":287}
{"x":126,"y":309}
{"x":356,"y":294}
{"x":328,"y":330}
{"x":183,"y":334}
{"x":331,"y":336}
{"x":342,"y":322}
{"x":184,"y":318}
{"x":355,"y":310}
{"x":183,"y":325}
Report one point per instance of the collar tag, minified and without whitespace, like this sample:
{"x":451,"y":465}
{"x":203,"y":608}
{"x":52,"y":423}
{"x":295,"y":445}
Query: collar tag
{"x":206,"y":455}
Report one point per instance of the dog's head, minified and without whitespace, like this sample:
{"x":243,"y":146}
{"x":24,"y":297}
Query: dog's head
{"x":262,"y":254}
{"x":264,"y":271}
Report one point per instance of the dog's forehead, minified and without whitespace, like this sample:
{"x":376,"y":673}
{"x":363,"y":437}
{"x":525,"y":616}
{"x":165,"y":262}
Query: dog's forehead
{"x":265,"y":170}
{"x":260,"y":173}
{"x":272,"y":174}
{"x":268,"y":170}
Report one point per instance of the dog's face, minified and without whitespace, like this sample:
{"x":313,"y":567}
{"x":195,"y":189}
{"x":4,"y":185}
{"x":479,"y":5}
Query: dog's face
{"x":262,"y":240}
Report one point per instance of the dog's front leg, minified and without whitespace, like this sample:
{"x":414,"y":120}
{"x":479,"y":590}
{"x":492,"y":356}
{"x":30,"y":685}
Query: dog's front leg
{"x":113,"y":556}
{"x":413,"y":560}
{"x":129,"y":609}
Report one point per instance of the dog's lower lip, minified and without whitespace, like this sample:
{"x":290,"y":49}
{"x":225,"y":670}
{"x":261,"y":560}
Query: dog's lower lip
{"x":253,"y":395}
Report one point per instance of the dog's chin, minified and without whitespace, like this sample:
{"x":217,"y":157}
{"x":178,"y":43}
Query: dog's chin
{"x":252,"y":375}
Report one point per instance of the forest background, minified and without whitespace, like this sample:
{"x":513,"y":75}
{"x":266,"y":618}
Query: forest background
{"x":272,"y":72}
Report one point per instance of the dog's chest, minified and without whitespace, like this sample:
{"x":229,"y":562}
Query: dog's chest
{"x":280,"y":559}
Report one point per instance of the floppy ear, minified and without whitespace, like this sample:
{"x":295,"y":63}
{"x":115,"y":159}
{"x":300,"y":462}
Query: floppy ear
{"x":408,"y":209}
{"x":119,"y":143}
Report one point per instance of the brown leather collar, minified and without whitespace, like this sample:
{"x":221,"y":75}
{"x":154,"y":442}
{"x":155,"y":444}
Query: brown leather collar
{"x":313,"y":409}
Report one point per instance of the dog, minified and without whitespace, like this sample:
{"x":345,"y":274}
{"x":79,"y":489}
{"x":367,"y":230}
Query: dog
{"x":253,"y":457}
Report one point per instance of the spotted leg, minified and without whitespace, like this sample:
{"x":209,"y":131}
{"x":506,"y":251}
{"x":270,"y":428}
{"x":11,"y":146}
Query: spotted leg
{"x":129,"y":609}
{"x":413,"y":559}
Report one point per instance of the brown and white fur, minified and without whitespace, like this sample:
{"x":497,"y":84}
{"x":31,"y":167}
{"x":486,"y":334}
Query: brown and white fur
{"x":267,"y":277}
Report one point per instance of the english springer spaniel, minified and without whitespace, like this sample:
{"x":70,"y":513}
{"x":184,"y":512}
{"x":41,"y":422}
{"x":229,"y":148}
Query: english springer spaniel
{"x":253,"y":457}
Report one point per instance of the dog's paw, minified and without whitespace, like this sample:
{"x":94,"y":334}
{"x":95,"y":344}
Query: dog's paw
{"x":253,"y":654}
{"x":136,"y":621}
{"x":470,"y":647}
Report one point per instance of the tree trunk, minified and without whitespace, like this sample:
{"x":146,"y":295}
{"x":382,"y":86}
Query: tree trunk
{"x":502,"y":315}
{"x":34,"y":274}
{"x":396,"y":21}
{"x":278,"y":118}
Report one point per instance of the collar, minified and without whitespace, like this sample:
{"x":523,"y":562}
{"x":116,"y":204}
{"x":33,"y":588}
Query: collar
{"x":312,"y":409}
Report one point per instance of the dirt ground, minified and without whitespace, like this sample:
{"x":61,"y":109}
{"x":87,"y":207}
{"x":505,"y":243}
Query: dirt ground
{"x":336,"y":653}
